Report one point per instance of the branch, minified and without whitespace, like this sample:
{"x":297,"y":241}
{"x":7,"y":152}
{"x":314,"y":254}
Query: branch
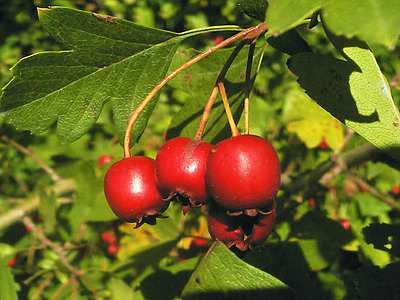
{"x":38,"y":234}
{"x":330,"y":169}
{"x":53,"y":175}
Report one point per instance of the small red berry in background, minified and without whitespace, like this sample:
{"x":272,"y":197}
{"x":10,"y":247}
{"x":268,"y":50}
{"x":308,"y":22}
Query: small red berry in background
{"x":396,"y":190}
{"x":218,"y":39}
{"x":345,"y":224}
{"x":109,"y":237}
{"x":104,"y":159}
{"x":323,"y":145}
{"x":112,"y":249}
{"x":11,"y":262}
{"x":199,"y":244}
{"x":312,"y":203}
{"x":28,"y":228}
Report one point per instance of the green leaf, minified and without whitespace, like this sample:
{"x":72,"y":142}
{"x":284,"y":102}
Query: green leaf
{"x":352,"y":90}
{"x":374,"y":21}
{"x":120,"y":290}
{"x":90,"y":204}
{"x":222,"y":274}
{"x":283,"y":15}
{"x":111,"y":60}
{"x":254,"y":9}
{"x":7,"y":285}
{"x":47,"y":211}
{"x":289,"y":42}
{"x":370,"y":205}
{"x":198,"y":82}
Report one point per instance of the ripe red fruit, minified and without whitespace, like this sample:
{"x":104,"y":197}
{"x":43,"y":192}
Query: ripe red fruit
{"x":345,"y":224}
{"x":240,"y":231}
{"x":131,"y":191}
{"x":226,"y":229}
{"x":199,"y":244}
{"x":109,"y":237}
{"x":11,"y":262}
{"x":312,"y":203}
{"x":112,"y":249}
{"x":396,"y":190}
{"x":180,"y":170}
{"x":243,"y":173}
{"x":104,"y":159}
{"x":262,"y":227}
{"x":323,"y":145}
{"x":218,"y":39}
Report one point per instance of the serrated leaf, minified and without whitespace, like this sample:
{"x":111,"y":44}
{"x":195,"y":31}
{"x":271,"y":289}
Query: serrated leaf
{"x":374,"y":21}
{"x":7,"y":285}
{"x":254,"y":9}
{"x":283,"y":15}
{"x":198,"y":82}
{"x":111,"y":60}
{"x":310,"y":122}
{"x":352,"y":90}
{"x":222,"y":273}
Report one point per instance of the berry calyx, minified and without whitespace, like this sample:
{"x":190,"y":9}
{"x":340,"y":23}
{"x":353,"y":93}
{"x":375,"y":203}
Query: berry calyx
{"x":109,"y":237}
{"x":104,"y":159}
{"x":180,"y":171}
{"x":131,"y":191}
{"x":243,"y":173}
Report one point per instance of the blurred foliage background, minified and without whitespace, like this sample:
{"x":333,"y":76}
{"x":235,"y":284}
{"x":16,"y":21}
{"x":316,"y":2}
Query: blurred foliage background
{"x":332,"y":241}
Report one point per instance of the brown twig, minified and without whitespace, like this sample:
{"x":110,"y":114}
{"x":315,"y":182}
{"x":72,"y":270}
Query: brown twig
{"x":53,"y":174}
{"x":39,"y":234}
{"x":40,"y":288}
{"x":386,"y":198}
{"x":248,"y":35}
{"x":228,"y":112}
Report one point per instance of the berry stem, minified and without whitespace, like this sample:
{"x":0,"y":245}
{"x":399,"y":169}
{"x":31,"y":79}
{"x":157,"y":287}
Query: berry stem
{"x":232,"y":124}
{"x":248,"y":34}
{"x":214,"y":93}
{"x":249,"y":85}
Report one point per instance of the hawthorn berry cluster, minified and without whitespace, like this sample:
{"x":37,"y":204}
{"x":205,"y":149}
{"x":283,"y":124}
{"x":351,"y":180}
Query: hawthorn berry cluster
{"x":238,"y":179}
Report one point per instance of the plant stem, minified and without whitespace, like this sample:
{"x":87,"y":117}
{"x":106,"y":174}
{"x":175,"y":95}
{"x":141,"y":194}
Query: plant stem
{"x":228,"y":111}
{"x":248,"y":87}
{"x":248,"y":34}
{"x":214,"y":93}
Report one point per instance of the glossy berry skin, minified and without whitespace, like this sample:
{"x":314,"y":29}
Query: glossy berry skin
{"x":243,"y":173}
{"x":104,"y":159}
{"x":262,"y":228}
{"x":11,"y":262}
{"x":226,"y":229}
{"x":112,"y":249}
{"x":131,"y":191}
{"x":345,"y":224}
{"x":180,"y":169}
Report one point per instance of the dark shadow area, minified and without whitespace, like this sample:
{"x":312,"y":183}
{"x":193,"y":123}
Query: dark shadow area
{"x":164,"y":285}
{"x":381,"y":235}
{"x":267,"y":294}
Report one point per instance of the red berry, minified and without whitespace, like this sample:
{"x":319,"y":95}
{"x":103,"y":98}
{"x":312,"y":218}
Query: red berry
{"x":225,"y":229}
{"x":11,"y":262}
{"x":262,"y":227}
{"x":396,"y":190}
{"x":28,"y":228}
{"x":104,"y":159}
{"x":218,"y":39}
{"x":345,"y":224}
{"x":312,"y":203}
{"x":199,"y":243}
{"x":112,"y":249}
{"x":180,"y":170}
{"x":243,"y":173}
{"x":109,"y":237}
{"x":240,"y":231}
{"x":131,"y":191}
{"x":323,"y":145}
